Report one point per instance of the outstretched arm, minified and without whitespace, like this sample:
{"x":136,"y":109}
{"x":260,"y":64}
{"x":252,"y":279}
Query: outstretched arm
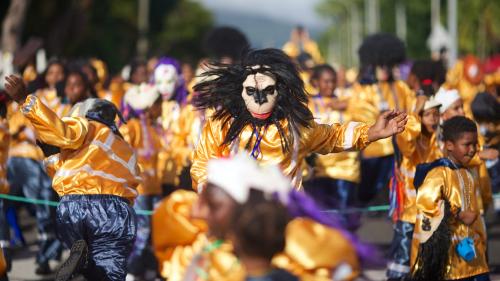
{"x":66,"y":134}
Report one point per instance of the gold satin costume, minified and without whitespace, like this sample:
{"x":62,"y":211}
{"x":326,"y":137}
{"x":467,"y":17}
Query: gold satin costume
{"x":343,"y":165}
{"x":93,"y":160}
{"x":51,"y":100}
{"x":415,"y":149}
{"x":293,"y":50}
{"x":319,"y":138}
{"x":23,"y":136}
{"x":177,"y":239}
{"x":4,"y":154}
{"x":146,"y":143}
{"x":370,"y":100}
{"x":443,"y":183}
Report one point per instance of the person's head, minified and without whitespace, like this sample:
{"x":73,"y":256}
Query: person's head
{"x":187,"y":72}
{"x":258,"y":227}
{"x":138,"y":72}
{"x":54,"y":73}
{"x":430,"y":116}
{"x":230,"y":181}
{"x":168,"y":79}
{"x":451,"y":103}
{"x":424,"y":75}
{"x":76,"y":87}
{"x":460,"y":139}
{"x":486,"y":108}
{"x":142,"y":101}
{"x":91,"y":73}
{"x":324,"y":78}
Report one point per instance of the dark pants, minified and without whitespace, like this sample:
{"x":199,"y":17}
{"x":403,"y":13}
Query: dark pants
{"x":375,"y":175}
{"x":335,"y":194}
{"x":5,"y":235}
{"x":142,"y":257}
{"x":107,"y":223}
{"x":27,"y":176}
{"x":399,"y":259}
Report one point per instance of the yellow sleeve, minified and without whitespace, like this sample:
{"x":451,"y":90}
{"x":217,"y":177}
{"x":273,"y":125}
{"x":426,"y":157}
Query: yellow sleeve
{"x":326,"y":139}
{"x":430,"y":193}
{"x":52,"y":164}
{"x":406,"y":140}
{"x":208,"y":147}
{"x":66,"y":133}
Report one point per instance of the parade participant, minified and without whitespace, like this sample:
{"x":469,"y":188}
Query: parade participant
{"x":335,"y":176}
{"x":95,"y":174}
{"x":301,"y":43}
{"x":142,"y":110}
{"x":49,"y":92}
{"x":76,"y":87}
{"x":168,"y":81}
{"x":376,"y":92}
{"x":5,"y":262}
{"x":450,"y":235}
{"x":260,"y":106}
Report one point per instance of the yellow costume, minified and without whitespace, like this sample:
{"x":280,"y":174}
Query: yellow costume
{"x":343,"y":165}
{"x":92,"y":160}
{"x":370,"y":100}
{"x":443,"y":183}
{"x":23,"y":139}
{"x":145,"y":141}
{"x":318,"y":138}
{"x":178,"y":239}
{"x":4,"y":154}
{"x":415,"y":149}
{"x":51,"y":100}
{"x":293,"y":50}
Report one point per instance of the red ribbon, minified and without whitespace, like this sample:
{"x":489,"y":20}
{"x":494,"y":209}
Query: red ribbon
{"x":427,"y":82}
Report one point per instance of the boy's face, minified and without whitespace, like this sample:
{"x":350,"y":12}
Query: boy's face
{"x":430,"y":119}
{"x":456,"y":109}
{"x":327,"y":83}
{"x":463,"y":149}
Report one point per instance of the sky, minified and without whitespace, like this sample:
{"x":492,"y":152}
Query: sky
{"x":291,"y":11}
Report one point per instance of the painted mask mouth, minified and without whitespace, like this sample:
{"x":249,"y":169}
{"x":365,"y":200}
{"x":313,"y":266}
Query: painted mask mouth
{"x":261,"y":116}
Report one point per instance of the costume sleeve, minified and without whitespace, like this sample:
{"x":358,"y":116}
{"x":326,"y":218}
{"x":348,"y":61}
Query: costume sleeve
{"x":406,"y":140}
{"x":429,"y":194}
{"x":66,"y":133}
{"x":485,"y":186}
{"x":326,"y":139}
{"x":208,"y":148}
{"x":52,"y":164}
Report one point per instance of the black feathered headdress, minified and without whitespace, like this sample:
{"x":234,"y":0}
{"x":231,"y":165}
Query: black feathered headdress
{"x":222,"y":85}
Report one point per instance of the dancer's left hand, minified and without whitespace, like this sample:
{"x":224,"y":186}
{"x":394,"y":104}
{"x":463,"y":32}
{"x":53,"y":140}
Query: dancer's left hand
{"x":388,"y":124}
{"x":15,"y":88}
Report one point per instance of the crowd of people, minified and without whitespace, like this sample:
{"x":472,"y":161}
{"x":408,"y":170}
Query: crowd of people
{"x":239,"y":157}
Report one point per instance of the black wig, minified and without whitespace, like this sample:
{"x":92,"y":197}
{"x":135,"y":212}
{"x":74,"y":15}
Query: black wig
{"x":223,"y":85}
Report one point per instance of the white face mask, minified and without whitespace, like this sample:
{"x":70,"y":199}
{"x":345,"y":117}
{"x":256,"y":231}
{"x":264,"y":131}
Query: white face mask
{"x":166,"y":77}
{"x":260,"y":94}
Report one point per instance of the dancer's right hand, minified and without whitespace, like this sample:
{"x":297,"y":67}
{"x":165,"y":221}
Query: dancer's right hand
{"x":15,"y":88}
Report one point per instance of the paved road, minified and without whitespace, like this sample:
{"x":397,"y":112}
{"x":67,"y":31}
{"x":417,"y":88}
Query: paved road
{"x":374,"y":229}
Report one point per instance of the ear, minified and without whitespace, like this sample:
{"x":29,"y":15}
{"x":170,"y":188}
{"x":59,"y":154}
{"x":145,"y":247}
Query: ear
{"x":449,"y":145}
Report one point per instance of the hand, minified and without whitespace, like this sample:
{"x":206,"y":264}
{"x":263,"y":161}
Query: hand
{"x":388,"y":124}
{"x":467,"y":217}
{"x":488,"y":154}
{"x":15,"y":88}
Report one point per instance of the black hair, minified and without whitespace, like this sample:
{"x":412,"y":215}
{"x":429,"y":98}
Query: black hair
{"x":223,"y":84}
{"x":454,"y":128}
{"x":319,"y":69}
{"x":427,"y":73}
{"x":134,"y":65}
{"x":486,"y":108}
{"x":380,"y":49}
{"x":86,"y":83}
{"x":41,"y":83}
{"x":225,"y":42}
{"x":259,"y":226}
{"x":4,"y":99}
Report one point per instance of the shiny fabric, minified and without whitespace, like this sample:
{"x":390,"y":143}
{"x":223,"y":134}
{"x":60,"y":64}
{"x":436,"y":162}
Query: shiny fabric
{"x":313,"y":252}
{"x":319,"y":138}
{"x":107,"y":223}
{"x":343,"y":165}
{"x":23,"y":140}
{"x":4,"y":154}
{"x":443,"y":183}
{"x":415,"y":149}
{"x":169,"y":164}
{"x":370,"y":100}
{"x":142,"y":258}
{"x":144,"y":139}
{"x":92,"y":160}
{"x":51,"y":100}
{"x":399,"y":253}
{"x":27,"y":177}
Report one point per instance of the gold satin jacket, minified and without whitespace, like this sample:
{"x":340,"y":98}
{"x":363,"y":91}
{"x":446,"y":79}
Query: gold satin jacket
{"x":4,"y":154}
{"x":145,"y":141}
{"x":51,"y":100}
{"x":93,"y":160}
{"x":455,"y":79}
{"x":23,"y":136}
{"x":370,"y":100}
{"x":415,"y":149}
{"x":319,"y":138}
{"x":443,"y":183}
{"x":343,"y":165}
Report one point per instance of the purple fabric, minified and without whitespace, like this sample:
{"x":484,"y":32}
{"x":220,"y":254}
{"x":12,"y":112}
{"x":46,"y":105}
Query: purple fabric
{"x":301,"y":205}
{"x":181,"y":92}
